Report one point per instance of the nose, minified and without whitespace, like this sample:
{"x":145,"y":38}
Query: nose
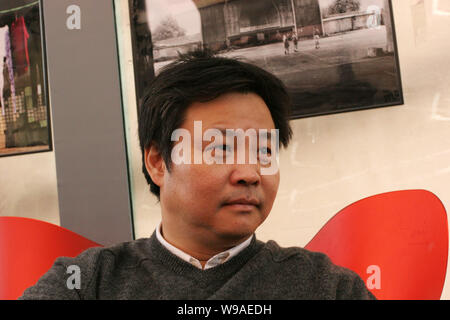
{"x":245,"y":174}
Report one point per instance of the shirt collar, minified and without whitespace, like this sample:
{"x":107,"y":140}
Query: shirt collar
{"x":212,"y":262}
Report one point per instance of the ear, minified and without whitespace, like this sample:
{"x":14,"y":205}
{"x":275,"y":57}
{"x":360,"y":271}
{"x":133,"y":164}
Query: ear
{"x":155,"y":165}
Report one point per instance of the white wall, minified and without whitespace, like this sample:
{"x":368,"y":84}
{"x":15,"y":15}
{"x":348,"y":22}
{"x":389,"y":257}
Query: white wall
{"x":28,"y":187}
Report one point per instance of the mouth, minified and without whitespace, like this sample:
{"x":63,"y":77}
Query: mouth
{"x":243,"y":204}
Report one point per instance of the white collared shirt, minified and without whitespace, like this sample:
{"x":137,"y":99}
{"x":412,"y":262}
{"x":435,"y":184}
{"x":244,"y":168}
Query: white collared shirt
{"x":212,"y":262}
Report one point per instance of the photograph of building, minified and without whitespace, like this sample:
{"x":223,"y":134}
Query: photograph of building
{"x":332,"y":55}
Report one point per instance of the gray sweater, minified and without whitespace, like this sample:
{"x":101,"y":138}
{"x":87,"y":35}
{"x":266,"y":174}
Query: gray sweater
{"x":145,"y":269}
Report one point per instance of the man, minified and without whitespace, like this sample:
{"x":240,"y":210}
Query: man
{"x":317,"y":38}
{"x":212,"y":199}
{"x":295,"y":40}
{"x":286,"y":44}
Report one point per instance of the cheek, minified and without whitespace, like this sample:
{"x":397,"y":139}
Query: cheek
{"x":194,"y":185}
{"x":271,"y":184}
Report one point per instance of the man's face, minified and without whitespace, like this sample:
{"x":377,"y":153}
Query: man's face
{"x":216,"y":202}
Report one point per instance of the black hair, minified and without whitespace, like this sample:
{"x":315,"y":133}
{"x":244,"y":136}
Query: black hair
{"x":200,"y":76}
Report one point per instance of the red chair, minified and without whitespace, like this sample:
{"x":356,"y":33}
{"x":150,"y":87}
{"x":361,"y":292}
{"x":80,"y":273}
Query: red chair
{"x":397,"y":242}
{"x":28,"y":248}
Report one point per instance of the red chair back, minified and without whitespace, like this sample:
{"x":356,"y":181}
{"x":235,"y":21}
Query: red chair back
{"x":397,"y":242}
{"x":28,"y":249}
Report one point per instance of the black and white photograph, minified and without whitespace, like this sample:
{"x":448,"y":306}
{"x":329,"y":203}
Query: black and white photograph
{"x":24,"y":110}
{"x":332,"y":55}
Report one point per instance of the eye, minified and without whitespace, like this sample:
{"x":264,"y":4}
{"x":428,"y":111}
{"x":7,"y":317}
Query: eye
{"x":224,"y":147}
{"x":265,"y":155}
{"x":265,"y":151}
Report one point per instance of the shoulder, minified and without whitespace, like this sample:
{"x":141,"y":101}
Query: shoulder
{"x":128,"y":254}
{"x":317,"y":267}
{"x":313,"y":259}
{"x":94,"y":265}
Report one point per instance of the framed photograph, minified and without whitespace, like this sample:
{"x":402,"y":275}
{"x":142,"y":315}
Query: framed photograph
{"x":24,"y":108}
{"x":332,"y":55}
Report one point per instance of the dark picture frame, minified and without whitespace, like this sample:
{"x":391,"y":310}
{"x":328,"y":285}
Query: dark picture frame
{"x":25,"y":121}
{"x":333,"y":55}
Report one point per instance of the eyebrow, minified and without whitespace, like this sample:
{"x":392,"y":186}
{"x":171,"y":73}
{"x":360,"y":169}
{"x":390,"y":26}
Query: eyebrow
{"x":224,"y":131}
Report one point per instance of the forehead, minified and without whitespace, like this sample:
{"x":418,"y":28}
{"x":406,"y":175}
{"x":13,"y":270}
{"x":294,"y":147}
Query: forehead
{"x":231,"y":110}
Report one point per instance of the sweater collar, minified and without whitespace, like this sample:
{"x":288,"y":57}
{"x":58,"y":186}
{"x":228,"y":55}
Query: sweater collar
{"x":169,"y":261}
{"x":212,"y":262}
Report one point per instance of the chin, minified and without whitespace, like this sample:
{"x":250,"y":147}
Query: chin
{"x":234,"y":225}
{"x":234,"y":238}
{"x":237,"y":233}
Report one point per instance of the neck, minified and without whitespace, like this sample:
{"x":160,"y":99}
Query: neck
{"x":200,"y":248}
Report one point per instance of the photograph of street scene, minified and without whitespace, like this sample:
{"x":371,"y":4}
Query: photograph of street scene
{"x":332,"y":55}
